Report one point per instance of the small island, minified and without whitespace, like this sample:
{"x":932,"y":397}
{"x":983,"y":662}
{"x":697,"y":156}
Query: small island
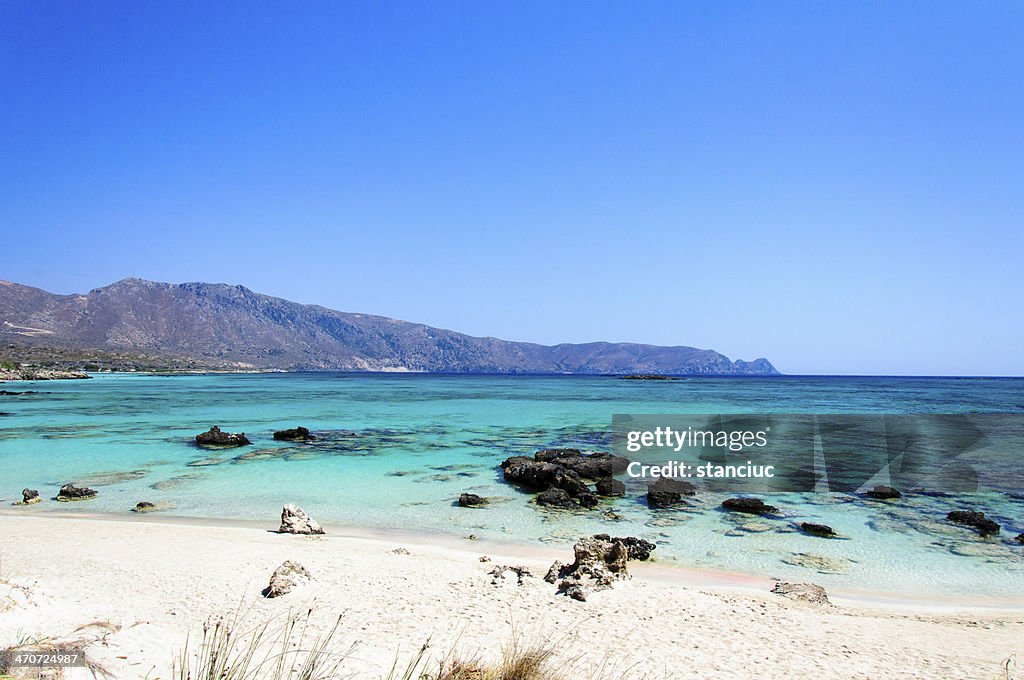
{"x":648,"y":376}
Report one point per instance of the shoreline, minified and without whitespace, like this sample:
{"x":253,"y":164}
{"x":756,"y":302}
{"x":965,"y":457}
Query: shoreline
{"x":654,"y":570}
{"x":131,"y":592}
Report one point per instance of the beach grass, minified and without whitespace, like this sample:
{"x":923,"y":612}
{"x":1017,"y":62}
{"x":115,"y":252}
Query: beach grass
{"x":232,"y":647}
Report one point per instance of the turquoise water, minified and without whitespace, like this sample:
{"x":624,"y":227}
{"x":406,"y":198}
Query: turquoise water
{"x":396,"y":450}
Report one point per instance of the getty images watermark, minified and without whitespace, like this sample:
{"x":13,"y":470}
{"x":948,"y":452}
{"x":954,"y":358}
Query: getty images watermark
{"x":951,"y":453}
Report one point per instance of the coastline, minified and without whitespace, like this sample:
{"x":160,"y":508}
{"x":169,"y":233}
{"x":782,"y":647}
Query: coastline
{"x":655,"y":570}
{"x":147,"y":584}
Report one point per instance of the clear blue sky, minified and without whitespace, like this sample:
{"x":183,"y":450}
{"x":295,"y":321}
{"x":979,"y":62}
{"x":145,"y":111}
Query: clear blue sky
{"x":836,"y":186}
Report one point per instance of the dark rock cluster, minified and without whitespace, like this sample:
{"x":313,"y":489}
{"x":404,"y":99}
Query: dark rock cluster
{"x":976,"y":520}
{"x":296,"y":434}
{"x":558,"y":476}
{"x":471,"y":500}
{"x":752,"y":506}
{"x":70,"y":492}
{"x":214,"y":438}
{"x":883,"y":492}
{"x":822,"y":530}
{"x":667,"y":493}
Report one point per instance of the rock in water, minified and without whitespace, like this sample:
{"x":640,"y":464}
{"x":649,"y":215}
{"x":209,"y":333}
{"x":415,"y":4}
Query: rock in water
{"x":984,"y":526}
{"x":29,"y":496}
{"x":609,"y":486}
{"x":565,"y":470}
{"x":298,"y":434}
{"x":587,"y":465}
{"x":471,"y":500}
{"x":666,"y":493}
{"x":144,"y":506}
{"x":286,"y":578}
{"x":823,"y":530}
{"x":556,"y":498}
{"x":883,"y":492}
{"x":70,"y":492}
{"x":803,"y":592}
{"x":753,"y":506}
{"x":1020,"y":539}
{"x":214,"y":438}
{"x":294,"y":520}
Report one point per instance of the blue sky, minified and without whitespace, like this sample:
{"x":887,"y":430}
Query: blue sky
{"x":835,"y":186}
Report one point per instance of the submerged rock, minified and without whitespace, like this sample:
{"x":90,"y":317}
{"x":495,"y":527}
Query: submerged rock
{"x":70,"y":492}
{"x":753,"y":506}
{"x":883,"y":492}
{"x":471,"y":500}
{"x":802,"y":592}
{"x":1020,"y":539}
{"x":214,"y":438}
{"x":294,"y":520}
{"x":822,"y":530}
{"x":28,"y":497}
{"x":609,"y":486}
{"x":666,"y":492}
{"x":820,"y":563}
{"x":286,"y":578}
{"x":297,"y":434}
{"x":984,"y":526}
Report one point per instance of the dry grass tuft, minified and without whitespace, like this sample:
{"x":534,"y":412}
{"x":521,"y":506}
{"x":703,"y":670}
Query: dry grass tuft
{"x":232,"y":649}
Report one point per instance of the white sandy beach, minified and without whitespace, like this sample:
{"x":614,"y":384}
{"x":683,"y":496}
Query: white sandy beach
{"x":140,"y":587}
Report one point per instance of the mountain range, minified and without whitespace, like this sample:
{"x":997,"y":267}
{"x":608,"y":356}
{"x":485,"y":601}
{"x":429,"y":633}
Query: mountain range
{"x":220,"y":325}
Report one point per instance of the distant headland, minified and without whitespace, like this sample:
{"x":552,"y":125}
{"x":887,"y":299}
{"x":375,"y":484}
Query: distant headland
{"x":195,"y":326}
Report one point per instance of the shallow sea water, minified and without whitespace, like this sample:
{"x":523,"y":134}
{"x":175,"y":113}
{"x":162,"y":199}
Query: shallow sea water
{"x":397,"y":449}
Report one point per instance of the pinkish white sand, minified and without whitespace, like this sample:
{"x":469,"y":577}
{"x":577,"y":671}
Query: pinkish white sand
{"x":140,"y":587}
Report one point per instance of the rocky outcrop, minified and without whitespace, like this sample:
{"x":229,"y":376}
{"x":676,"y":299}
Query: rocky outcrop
{"x":637,"y":548}
{"x":609,"y":486}
{"x":297,"y":434}
{"x":752,"y":506}
{"x":556,"y":498}
{"x":802,"y":592}
{"x":286,"y":578}
{"x":667,"y":493}
{"x":214,"y":438}
{"x":40,"y":374}
{"x":559,"y":474}
{"x":883,"y":492}
{"x":294,"y":520}
{"x":28,"y":497}
{"x":70,"y":492}
{"x":503,"y":573}
{"x":596,"y":465}
{"x":822,"y":530}
{"x":977,"y":520}
{"x":598,"y":564}
{"x":471,"y":500}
